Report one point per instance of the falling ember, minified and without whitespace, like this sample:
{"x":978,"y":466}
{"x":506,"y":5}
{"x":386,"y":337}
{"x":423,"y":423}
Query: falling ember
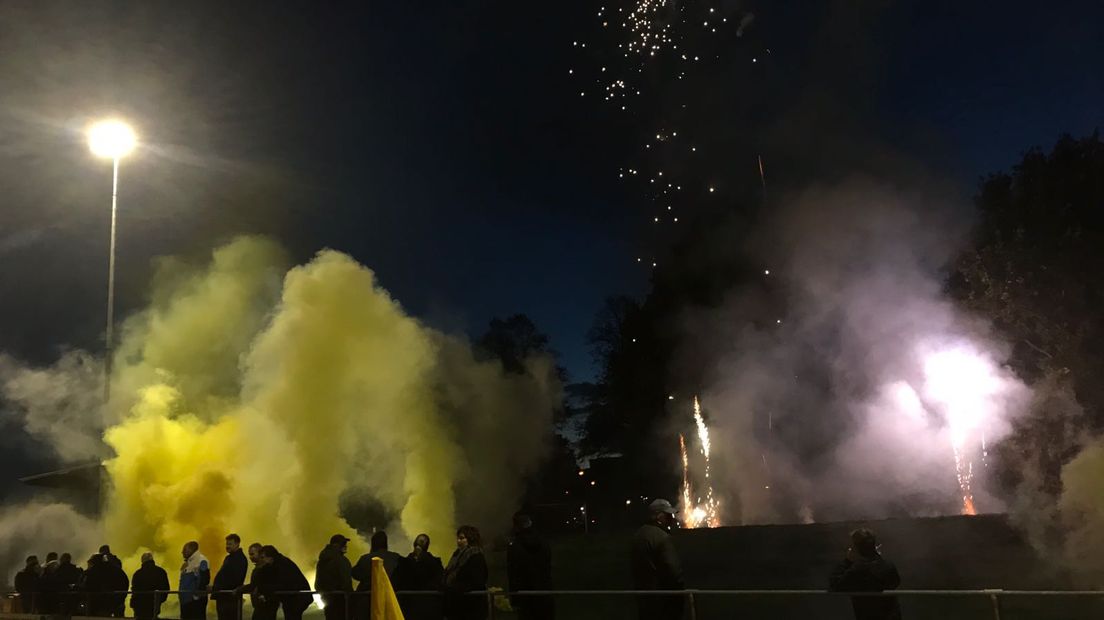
{"x":964,"y":470}
{"x":698,"y":514}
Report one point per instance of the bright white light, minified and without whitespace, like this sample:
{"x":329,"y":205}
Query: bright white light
{"x":111,"y":139}
{"x":963,"y":381}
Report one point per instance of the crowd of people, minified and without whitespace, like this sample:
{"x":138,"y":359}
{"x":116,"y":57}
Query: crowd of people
{"x":277,"y":583}
{"x":420,"y":578}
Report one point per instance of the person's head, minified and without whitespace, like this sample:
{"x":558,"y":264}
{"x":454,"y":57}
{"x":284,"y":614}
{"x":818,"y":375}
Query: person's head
{"x":190,"y":547}
{"x":421,"y":543}
{"x":269,"y":554}
{"x":522,"y":522}
{"x":147,"y":557}
{"x":65,"y":558}
{"x":255,"y":553}
{"x":105,"y":550}
{"x":468,"y":536}
{"x":32,"y":561}
{"x":379,"y":541}
{"x":51,"y":557}
{"x":864,"y":543}
{"x":339,"y":542}
{"x":662,"y":512}
{"x":233,"y":543}
{"x":94,"y":560}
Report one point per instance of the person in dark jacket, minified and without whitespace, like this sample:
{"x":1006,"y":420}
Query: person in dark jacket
{"x":106,"y":586}
{"x":150,"y":584}
{"x":69,"y":577}
{"x":28,"y":586}
{"x":421,"y":571}
{"x":49,"y":587}
{"x":466,"y":572}
{"x":865,"y":570}
{"x":109,"y":557}
{"x":362,"y":572}
{"x":230,"y":576}
{"x":283,"y":575}
{"x":656,"y":566}
{"x":333,"y":576}
{"x":259,"y":580}
{"x":529,"y":567}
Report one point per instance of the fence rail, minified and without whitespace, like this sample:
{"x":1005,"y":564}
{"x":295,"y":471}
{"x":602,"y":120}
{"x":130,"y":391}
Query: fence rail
{"x":691,"y":596}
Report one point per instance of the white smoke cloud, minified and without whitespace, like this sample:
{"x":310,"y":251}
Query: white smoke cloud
{"x":37,"y":529}
{"x":851,"y":402}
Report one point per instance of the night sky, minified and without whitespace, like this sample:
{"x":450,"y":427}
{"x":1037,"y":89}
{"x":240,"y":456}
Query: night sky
{"x":444,"y":144}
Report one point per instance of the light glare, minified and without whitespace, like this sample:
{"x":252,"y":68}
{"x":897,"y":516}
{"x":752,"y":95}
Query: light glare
{"x":111,"y":139}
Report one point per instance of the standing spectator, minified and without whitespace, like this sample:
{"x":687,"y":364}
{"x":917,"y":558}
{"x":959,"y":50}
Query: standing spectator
{"x":259,"y":580}
{"x":69,"y":577}
{"x":27,"y":585}
{"x":529,"y":567}
{"x":283,"y":575}
{"x":362,"y":572}
{"x":195,"y":575}
{"x":466,"y":572}
{"x":865,"y":570}
{"x":48,"y":586}
{"x":655,"y":565}
{"x":230,"y":576}
{"x":118,"y":584}
{"x":105,"y":591}
{"x":333,"y":577}
{"x":151,"y":585}
{"x":421,"y":571}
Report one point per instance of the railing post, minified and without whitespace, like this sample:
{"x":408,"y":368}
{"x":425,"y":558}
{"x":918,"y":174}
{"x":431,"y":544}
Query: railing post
{"x":994,"y":600}
{"x":490,"y":605}
{"x":690,"y":603}
{"x":346,"y":595}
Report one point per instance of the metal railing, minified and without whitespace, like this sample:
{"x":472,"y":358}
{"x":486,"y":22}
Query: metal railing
{"x":691,"y":597}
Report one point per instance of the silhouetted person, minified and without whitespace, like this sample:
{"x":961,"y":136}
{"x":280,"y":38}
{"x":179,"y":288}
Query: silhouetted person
{"x":105,"y":586}
{"x":529,"y":567}
{"x":230,"y":576}
{"x":334,"y":574}
{"x":466,"y":572}
{"x":262,"y":609}
{"x":421,"y":571}
{"x":195,"y":576}
{"x":283,"y":575}
{"x":27,"y":585}
{"x":49,"y":587}
{"x":69,"y":577}
{"x":656,"y":566}
{"x":865,"y":570}
{"x":362,"y":572}
{"x":150,"y":585}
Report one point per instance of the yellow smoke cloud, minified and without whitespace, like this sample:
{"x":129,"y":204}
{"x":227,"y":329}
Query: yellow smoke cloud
{"x":252,"y":403}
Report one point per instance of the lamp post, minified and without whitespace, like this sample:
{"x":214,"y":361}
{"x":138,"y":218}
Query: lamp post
{"x":112,"y":139}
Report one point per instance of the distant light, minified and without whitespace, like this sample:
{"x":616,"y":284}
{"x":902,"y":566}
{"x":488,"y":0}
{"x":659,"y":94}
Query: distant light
{"x":711,"y":190}
{"x":634,"y":339}
{"x":111,"y":139}
{"x":766,"y":272}
{"x":779,"y":321}
{"x":581,"y":472}
{"x":593,"y":482}
{"x":628,"y":502}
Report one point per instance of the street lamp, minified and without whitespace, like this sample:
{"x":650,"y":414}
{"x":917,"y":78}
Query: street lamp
{"x":112,"y":139}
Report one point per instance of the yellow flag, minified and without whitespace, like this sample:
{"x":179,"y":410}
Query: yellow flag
{"x":385,"y":606}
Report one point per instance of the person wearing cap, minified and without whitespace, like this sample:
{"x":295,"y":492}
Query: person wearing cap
{"x":865,"y":570}
{"x":151,"y":588}
{"x":655,"y":565}
{"x":230,"y":576}
{"x":362,"y":571}
{"x":333,"y":577}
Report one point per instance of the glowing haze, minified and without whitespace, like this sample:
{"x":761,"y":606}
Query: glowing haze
{"x":288,"y":405}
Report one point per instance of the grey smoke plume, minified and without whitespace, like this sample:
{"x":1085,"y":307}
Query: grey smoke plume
{"x":847,"y":400}
{"x":37,"y":529}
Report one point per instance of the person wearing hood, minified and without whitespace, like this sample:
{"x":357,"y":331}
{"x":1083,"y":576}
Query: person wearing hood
{"x":865,"y":570}
{"x":529,"y":567}
{"x":362,"y":572}
{"x":656,"y":566}
{"x":421,"y":571}
{"x":195,"y":576}
{"x":230,"y":576}
{"x":106,"y":585}
{"x":109,"y":557}
{"x":27,"y":585}
{"x":49,"y":586}
{"x":333,"y":577}
{"x":466,"y":572}
{"x":150,"y":584}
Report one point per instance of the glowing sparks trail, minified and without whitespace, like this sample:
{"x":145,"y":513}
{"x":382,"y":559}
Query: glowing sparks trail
{"x":698,"y":514}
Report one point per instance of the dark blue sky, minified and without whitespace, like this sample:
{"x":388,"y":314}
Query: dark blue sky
{"x":442,"y":144}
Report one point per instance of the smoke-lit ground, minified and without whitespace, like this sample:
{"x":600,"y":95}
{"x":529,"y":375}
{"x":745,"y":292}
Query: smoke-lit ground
{"x":282,"y":404}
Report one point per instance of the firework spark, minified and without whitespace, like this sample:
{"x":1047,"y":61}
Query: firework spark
{"x":698,"y":513}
